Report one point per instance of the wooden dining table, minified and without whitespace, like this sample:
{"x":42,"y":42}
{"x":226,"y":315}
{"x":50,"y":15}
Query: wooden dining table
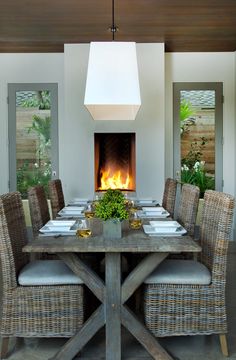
{"x":114,"y":292}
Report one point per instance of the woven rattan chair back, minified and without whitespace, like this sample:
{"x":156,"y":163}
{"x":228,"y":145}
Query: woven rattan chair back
{"x":56,"y":196}
{"x":187,"y":210}
{"x":169,"y":196}
{"x":194,"y":309}
{"x":38,"y":206}
{"x":31,"y":311}
{"x":13,"y":237}
{"x":215,"y":232}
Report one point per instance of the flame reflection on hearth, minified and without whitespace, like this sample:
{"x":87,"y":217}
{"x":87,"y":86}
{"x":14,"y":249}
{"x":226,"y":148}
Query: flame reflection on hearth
{"x":117,"y":179}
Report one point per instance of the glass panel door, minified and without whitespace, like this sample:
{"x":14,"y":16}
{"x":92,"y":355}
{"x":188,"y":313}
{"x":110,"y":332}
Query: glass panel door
{"x":32,"y":135}
{"x":198,"y":134}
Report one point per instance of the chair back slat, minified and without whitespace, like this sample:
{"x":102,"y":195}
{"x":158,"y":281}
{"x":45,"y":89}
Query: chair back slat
{"x":13,"y":236}
{"x":56,"y":196}
{"x":215,"y":232}
{"x":38,"y":206}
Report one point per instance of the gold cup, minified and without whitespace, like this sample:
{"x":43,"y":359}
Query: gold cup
{"x":135,"y":222}
{"x":89,"y":212}
{"x":83,"y":230}
{"x":84,"y":233}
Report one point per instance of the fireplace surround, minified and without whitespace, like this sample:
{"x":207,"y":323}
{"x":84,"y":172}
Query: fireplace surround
{"x":77,"y":134}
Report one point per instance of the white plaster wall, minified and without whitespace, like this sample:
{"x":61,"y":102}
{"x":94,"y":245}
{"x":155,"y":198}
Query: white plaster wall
{"x":204,"y":67}
{"x":76,"y":127}
{"x":25,"y":68}
{"x":77,"y":131}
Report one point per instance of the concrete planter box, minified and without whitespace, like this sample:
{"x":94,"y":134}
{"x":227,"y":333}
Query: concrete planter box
{"x":112,"y":229}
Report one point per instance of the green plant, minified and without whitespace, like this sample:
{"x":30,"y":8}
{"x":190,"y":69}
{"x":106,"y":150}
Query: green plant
{"x":193,"y":169}
{"x":197,"y":176}
{"x":195,"y":152}
{"x":41,"y":100}
{"x":38,"y":173}
{"x":42,"y":128}
{"x":186,"y":110}
{"x":30,"y":175}
{"x":112,"y":206}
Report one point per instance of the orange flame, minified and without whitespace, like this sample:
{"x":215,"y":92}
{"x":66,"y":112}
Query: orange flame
{"x":114,"y":180}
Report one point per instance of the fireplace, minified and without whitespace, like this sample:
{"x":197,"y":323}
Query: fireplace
{"x":114,"y":161}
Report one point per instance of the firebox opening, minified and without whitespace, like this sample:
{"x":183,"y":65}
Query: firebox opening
{"x":115,"y":161}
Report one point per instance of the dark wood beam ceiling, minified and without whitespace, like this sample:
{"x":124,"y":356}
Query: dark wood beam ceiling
{"x":183,"y":25}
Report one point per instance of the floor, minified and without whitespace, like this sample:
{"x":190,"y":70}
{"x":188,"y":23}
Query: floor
{"x":182,"y":348}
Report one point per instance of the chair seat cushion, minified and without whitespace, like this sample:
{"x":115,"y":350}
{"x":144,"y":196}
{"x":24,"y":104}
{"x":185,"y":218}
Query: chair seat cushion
{"x":47,"y":272}
{"x":180,"y":272}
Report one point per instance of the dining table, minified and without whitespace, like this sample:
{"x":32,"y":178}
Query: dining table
{"x":113,"y":291}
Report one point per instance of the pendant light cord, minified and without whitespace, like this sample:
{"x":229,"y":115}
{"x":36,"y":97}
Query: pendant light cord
{"x":113,"y":28}
{"x":113,"y":20}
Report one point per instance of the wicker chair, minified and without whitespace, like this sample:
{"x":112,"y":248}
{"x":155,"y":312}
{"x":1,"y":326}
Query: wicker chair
{"x":33,"y":310}
{"x":38,"y":206}
{"x":56,"y":196}
{"x":39,"y":214}
{"x":187,"y":305}
{"x":169,"y":195}
{"x":187,"y":210}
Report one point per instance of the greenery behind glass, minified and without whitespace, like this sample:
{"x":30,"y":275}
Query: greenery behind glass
{"x":38,"y":173}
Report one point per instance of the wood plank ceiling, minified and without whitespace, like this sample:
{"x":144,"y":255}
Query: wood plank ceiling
{"x":183,"y":25}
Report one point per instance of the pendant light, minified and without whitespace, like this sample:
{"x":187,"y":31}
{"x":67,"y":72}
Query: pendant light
{"x":112,"y":87}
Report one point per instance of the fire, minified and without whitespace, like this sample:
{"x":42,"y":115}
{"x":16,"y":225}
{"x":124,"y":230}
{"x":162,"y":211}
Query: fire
{"x":114,"y":180}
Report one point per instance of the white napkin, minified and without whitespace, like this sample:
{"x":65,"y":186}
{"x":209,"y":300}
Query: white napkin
{"x":73,"y":208}
{"x":158,"y":209}
{"x":79,"y":201}
{"x":57,"y":226}
{"x":165,"y":224}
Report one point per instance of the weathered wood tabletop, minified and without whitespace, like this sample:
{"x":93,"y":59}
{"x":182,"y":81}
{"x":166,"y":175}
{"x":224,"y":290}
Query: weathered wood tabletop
{"x":113,"y":293}
{"x":131,"y":241}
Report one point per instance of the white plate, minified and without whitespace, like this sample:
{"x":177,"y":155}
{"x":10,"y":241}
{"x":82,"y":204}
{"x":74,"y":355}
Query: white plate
{"x":154,"y":214}
{"x":67,"y":213}
{"x":158,"y":209}
{"x":147,"y":202}
{"x":60,"y":223}
{"x":77,"y":201}
{"x":152,"y":231}
{"x":73,"y":208}
{"x":45,"y":231}
{"x":165,"y":224}
{"x":58,"y":226}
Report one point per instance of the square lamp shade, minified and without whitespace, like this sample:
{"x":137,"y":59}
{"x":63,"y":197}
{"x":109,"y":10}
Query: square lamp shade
{"x":112,"y":88}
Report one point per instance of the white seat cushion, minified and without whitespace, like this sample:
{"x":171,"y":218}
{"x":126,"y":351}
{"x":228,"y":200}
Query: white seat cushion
{"x":180,"y":272}
{"x":47,"y":272}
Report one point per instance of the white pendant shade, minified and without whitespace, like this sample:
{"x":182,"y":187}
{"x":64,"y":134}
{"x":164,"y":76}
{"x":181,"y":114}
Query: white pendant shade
{"x":112,"y":87}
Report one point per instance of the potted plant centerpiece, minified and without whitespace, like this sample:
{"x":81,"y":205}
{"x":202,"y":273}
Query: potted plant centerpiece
{"x":111,"y":208}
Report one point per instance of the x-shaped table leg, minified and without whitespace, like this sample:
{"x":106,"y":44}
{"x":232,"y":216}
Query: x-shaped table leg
{"x":112,"y":311}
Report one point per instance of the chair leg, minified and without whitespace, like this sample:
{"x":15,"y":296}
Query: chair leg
{"x":4,"y":348}
{"x":223,"y":345}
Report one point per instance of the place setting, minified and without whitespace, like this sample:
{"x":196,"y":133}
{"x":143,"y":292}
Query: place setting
{"x":79,"y":202}
{"x":72,"y":211}
{"x":147,"y":202}
{"x":153,"y":212}
{"x":164,"y":228}
{"x":56,"y":228}
{"x":59,"y":227}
